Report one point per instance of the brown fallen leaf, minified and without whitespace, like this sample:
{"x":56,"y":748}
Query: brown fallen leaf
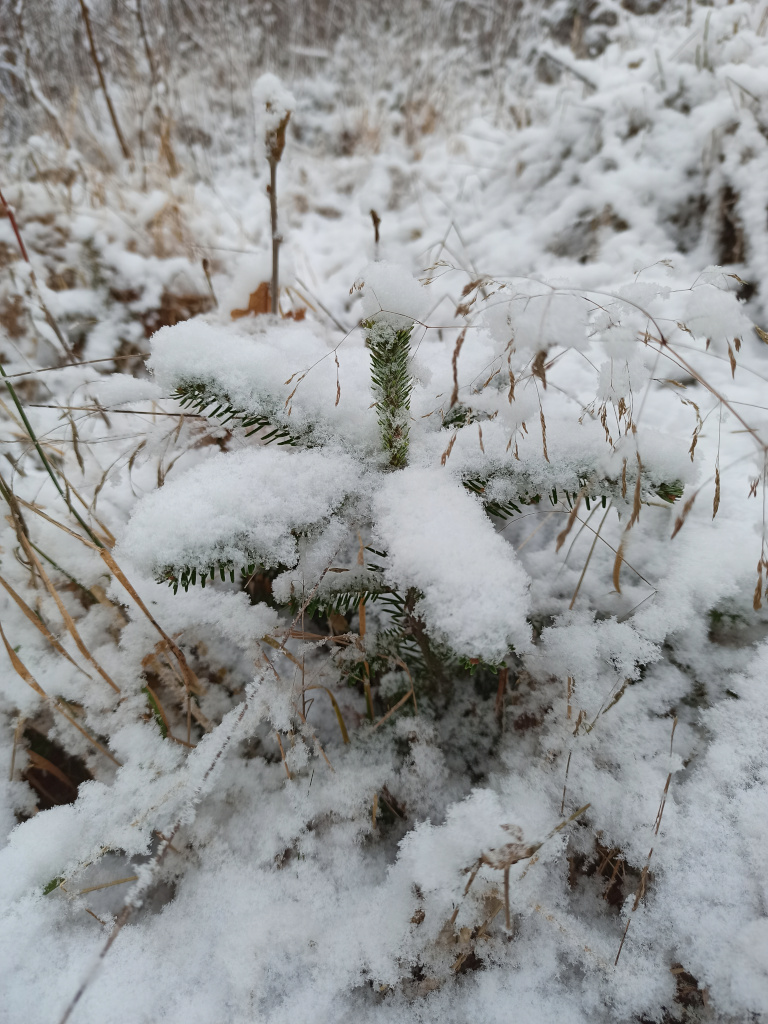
{"x":258,"y":302}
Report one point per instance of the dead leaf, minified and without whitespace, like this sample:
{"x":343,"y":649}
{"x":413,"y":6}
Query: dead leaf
{"x":259,"y":302}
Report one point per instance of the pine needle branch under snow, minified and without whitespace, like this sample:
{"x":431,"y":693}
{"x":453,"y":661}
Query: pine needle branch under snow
{"x":198,"y":395}
{"x":392,"y":383}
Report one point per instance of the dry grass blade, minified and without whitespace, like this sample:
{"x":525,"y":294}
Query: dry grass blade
{"x":44,"y":459}
{"x":391,"y":711}
{"x":455,"y":366}
{"x":584,"y":526}
{"x":54,"y":522}
{"x":561,"y":537}
{"x":636,"y":498}
{"x":172,"y":678}
{"x":282,"y":754}
{"x":683,"y":515}
{"x":538,"y":368}
{"x":663,"y":801}
{"x":447,"y":453}
{"x":38,"y":623}
{"x":21,"y":668}
{"x":110,"y":537}
{"x":503,"y":858}
{"x":11,"y":500}
{"x":38,"y":761}
{"x":24,"y":673}
{"x":17,"y":734}
{"x":192,"y":684}
{"x":565,"y":781}
{"x":336,"y":708}
{"x":543,"y":432}
{"x":636,"y":506}
{"x":566,"y":821}
{"x":85,"y":733}
{"x":307,"y":730}
{"x":69,"y":366}
{"x":187,"y":673}
{"x":617,"y":567}
{"x":271,"y":642}
{"x":69,"y":622}
{"x":190,"y":678}
{"x":757,"y":600}
{"x":404,"y":667}
{"x":107,"y":885}
{"x":589,"y":558}
{"x":640,"y":892}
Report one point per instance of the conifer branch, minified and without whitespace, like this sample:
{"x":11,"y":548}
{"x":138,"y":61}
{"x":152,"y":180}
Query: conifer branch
{"x":199,"y":396}
{"x":392,"y":386}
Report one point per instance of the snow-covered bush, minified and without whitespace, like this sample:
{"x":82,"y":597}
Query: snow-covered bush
{"x":397,"y":654}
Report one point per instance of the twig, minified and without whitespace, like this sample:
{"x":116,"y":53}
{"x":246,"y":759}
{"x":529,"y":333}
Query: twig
{"x":87,"y":362}
{"x":567,"y":67}
{"x":102,"y":81}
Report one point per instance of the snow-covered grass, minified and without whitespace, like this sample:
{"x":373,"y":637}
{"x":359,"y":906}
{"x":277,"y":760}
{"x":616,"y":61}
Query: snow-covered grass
{"x":399,"y":656}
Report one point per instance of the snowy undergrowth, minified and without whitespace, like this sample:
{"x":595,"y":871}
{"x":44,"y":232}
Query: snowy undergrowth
{"x":380,"y":720}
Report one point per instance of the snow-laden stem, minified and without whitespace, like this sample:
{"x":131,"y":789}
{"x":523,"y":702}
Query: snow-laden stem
{"x":275,"y":235}
{"x":279,"y":115}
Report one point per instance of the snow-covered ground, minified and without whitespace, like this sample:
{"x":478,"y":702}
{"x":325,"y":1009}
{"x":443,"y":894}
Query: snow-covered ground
{"x":527,"y":780}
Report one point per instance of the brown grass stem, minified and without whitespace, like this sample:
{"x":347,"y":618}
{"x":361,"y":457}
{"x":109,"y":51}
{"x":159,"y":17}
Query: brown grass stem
{"x":44,"y":459}
{"x":102,"y":80}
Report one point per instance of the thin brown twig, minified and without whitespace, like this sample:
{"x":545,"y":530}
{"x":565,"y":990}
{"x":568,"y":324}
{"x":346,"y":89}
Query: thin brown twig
{"x":102,"y":80}
{"x":69,"y":366}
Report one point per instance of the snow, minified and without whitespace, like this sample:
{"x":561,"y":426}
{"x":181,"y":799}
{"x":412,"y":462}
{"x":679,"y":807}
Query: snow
{"x":570,"y":221}
{"x":261,"y":371}
{"x":273,"y":103}
{"x":237,"y":510}
{"x":391,"y":295}
{"x":476,"y":602}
